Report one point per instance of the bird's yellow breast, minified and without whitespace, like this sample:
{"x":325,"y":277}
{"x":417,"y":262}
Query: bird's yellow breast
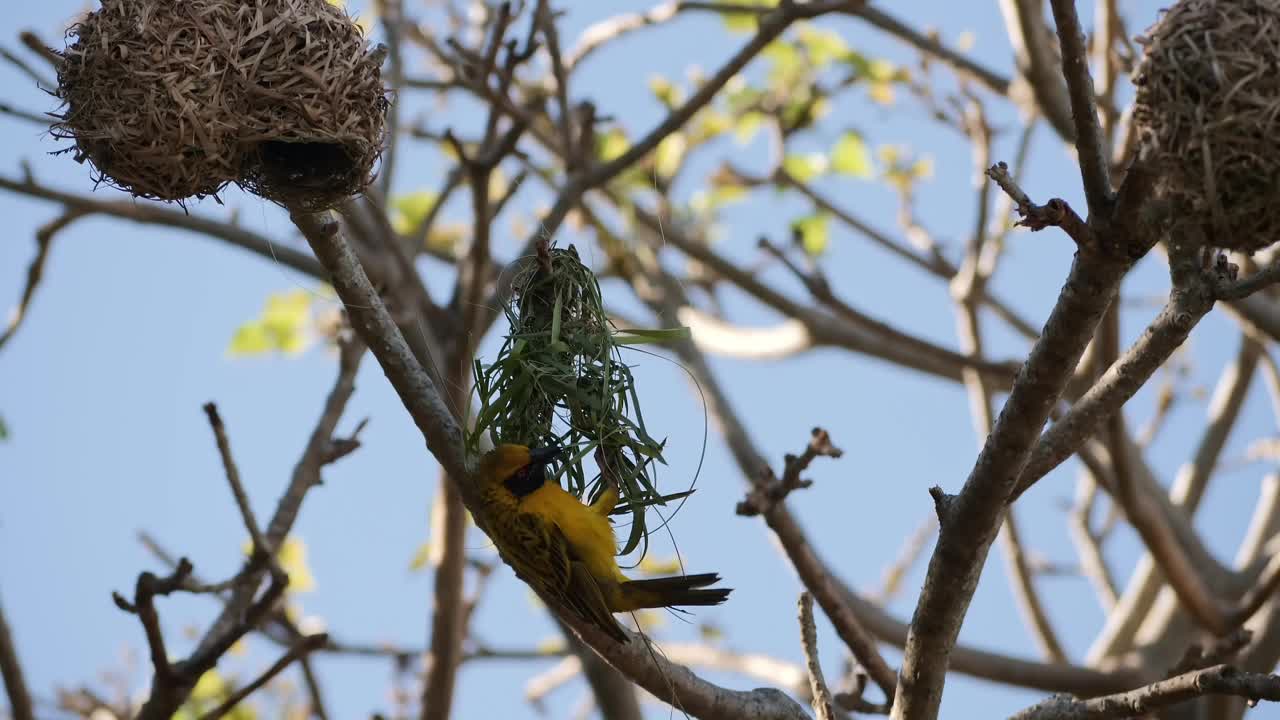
{"x":589,"y":534}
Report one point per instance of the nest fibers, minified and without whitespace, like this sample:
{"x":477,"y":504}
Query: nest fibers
{"x":174,"y":99}
{"x":1208,"y":108}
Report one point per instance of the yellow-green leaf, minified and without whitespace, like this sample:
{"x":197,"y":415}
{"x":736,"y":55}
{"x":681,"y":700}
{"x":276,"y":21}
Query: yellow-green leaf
{"x":293,"y":560}
{"x":812,"y":233}
{"x":421,"y":557}
{"x":785,"y":62}
{"x":805,"y":167}
{"x":655,"y":566}
{"x":446,"y":237}
{"x":922,"y":169}
{"x":409,"y":210}
{"x":710,"y":123}
{"x":611,"y":145}
{"x":745,"y":21}
{"x":669,"y":154}
{"x":665,"y":91}
{"x":823,"y":45}
{"x":497,"y":184}
{"x":292,"y":556}
{"x":748,"y":124}
{"x":282,"y":327}
{"x":210,"y":686}
{"x":850,"y":156}
{"x":881,"y":92}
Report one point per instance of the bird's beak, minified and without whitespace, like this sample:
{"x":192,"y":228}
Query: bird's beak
{"x":541,"y":456}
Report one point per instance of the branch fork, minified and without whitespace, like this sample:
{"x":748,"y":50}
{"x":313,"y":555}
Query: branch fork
{"x":772,"y":490}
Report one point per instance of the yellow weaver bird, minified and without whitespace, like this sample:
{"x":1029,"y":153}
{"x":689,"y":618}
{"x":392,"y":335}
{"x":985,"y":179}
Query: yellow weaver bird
{"x":566,"y":549}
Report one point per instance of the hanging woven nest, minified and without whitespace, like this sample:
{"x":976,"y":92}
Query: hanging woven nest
{"x":561,"y":379}
{"x":175,"y":99}
{"x":1208,"y":110}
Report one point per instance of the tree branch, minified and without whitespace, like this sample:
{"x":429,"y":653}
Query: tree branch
{"x":809,"y":644}
{"x":297,"y":652}
{"x":20,"y":705}
{"x":35,"y":272}
{"x":1217,"y":680}
{"x":1091,"y":152}
{"x":669,"y":682}
{"x":968,"y":522}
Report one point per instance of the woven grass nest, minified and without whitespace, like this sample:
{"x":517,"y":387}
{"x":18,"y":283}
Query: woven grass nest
{"x":1208,"y":110}
{"x":561,"y":379}
{"x":176,"y":99}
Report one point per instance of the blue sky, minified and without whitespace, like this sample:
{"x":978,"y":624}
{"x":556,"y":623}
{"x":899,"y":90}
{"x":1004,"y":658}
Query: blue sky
{"x":102,"y":389}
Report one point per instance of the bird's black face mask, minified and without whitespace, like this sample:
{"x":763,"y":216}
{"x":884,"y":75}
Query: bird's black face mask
{"x":532,"y":476}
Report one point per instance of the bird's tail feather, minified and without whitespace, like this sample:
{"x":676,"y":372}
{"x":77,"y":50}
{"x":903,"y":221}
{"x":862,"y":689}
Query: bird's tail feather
{"x":679,"y":590}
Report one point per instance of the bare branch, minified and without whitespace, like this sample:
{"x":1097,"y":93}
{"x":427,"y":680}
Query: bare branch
{"x":672,"y":683}
{"x":233,"y":478}
{"x":915,"y":544}
{"x":151,"y":214}
{"x":20,"y":705}
{"x":809,"y":644}
{"x":1056,"y":212}
{"x":297,"y":652}
{"x":1185,"y":308}
{"x":970,"y":520}
{"x":1033,"y":48}
{"x":146,"y":589}
{"x":1217,"y":680}
{"x":35,"y":272}
{"x":1247,"y":286}
{"x":1089,"y":545}
{"x":1091,"y":152}
{"x":768,"y":493}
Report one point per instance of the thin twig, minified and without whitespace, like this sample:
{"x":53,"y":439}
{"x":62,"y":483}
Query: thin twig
{"x":233,"y":478}
{"x":1091,"y":152}
{"x":297,"y":652}
{"x":1217,"y":680}
{"x":148,"y":214}
{"x":148,"y":586}
{"x":35,"y":272}
{"x":809,"y":645}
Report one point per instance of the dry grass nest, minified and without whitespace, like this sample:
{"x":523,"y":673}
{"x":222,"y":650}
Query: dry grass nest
{"x":1208,"y":110}
{"x":175,"y":99}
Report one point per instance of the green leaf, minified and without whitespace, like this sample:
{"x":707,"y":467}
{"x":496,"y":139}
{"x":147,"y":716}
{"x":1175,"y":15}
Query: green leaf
{"x":710,"y":123}
{"x":611,"y":145}
{"x":421,"y":557}
{"x":665,"y":91}
{"x":669,"y":154}
{"x":786,"y":62}
{"x":812,"y":233}
{"x":292,"y":556}
{"x":745,"y":21}
{"x":824,"y":46}
{"x":282,"y":327}
{"x":4,"y":430}
{"x":805,"y":167}
{"x":748,"y":124}
{"x":644,"y":336}
{"x":409,"y":210}
{"x":850,"y":156}
{"x":740,"y":22}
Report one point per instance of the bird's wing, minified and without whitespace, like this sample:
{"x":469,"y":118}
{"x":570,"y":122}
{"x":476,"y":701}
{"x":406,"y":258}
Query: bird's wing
{"x":540,"y":554}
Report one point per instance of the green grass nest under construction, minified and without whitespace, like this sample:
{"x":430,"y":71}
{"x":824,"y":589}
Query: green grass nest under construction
{"x":559,"y":379}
